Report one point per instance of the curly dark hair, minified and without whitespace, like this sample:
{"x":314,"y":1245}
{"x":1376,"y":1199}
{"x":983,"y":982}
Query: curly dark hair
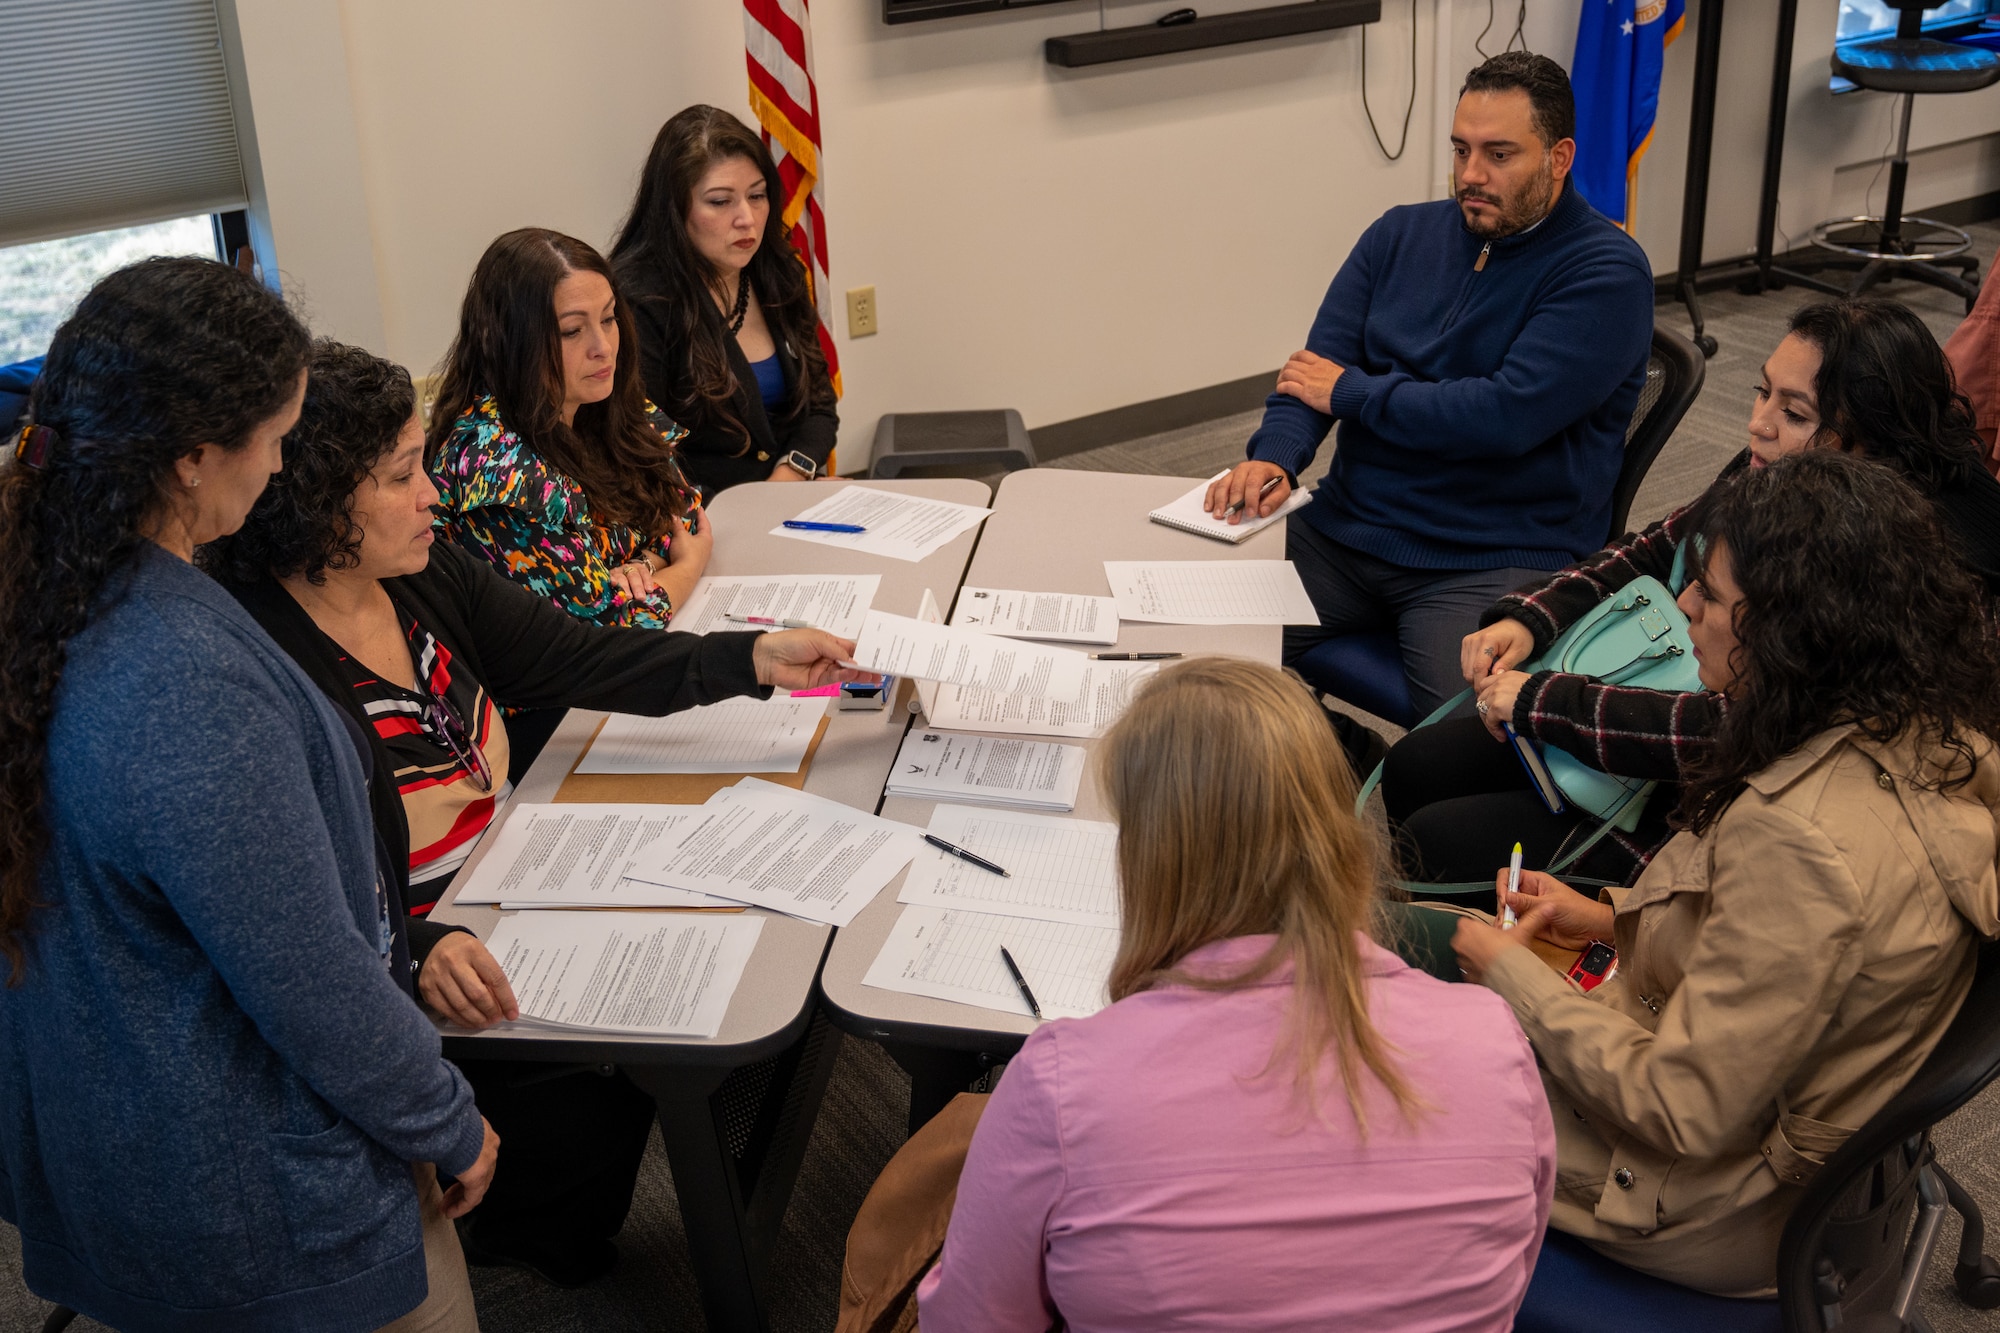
{"x":509,"y":345}
{"x":356,"y":405}
{"x":669,"y":276}
{"x":1848,"y":616}
{"x":160,"y":358}
{"x":1885,"y":388}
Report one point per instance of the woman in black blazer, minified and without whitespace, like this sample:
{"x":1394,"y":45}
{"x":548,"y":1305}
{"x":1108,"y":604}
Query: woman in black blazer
{"x":729,"y":339}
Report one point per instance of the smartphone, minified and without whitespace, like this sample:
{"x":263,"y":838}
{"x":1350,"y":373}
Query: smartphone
{"x":1598,"y":965}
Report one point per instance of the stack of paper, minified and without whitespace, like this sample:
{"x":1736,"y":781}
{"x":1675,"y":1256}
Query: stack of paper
{"x":832,"y":602}
{"x":743,"y":735}
{"x":984,"y":682}
{"x":901,"y":527}
{"x":1033,"y":775}
{"x":1055,"y":911}
{"x":755,"y":844}
{"x":1060,"y":617}
{"x":642,"y":972}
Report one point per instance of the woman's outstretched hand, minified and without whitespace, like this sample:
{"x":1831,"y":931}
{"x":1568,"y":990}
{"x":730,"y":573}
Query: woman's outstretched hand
{"x":805,"y":659}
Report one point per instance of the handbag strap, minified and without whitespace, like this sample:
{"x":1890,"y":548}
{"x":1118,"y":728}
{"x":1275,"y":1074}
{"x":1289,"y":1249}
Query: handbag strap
{"x":1561,"y":864}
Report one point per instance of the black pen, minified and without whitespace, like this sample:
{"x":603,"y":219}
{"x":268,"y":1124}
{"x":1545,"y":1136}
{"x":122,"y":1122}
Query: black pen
{"x":1131,"y":657}
{"x":1022,"y":982}
{"x":964,"y":855}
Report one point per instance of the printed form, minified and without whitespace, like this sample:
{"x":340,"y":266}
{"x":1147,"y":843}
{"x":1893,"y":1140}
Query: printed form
{"x":1210,"y":592}
{"x":578,"y":855}
{"x":771,"y":846}
{"x":901,"y":527}
{"x":988,"y":770}
{"x":744,"y":735}
{"x":1100,"y":697}
{"x":1060,"y":617}
{"x":902,"y":646}
{"x":663,"y":974}
{"x":953,"y":954}
{"x":834,"y":603}
{"x":1057,"y":869}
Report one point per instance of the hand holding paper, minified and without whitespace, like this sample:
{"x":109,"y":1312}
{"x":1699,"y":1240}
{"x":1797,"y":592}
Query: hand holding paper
{"x":805,"y":659}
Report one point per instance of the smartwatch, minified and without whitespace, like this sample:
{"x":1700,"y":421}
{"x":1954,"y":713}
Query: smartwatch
{"x":800,"y":464}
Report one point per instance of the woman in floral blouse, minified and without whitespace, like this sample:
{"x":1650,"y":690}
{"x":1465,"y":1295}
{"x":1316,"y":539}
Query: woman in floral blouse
{"x":550,"y":462}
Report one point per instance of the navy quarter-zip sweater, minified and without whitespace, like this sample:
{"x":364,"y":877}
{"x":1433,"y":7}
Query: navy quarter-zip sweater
{"x":1483,"y":408}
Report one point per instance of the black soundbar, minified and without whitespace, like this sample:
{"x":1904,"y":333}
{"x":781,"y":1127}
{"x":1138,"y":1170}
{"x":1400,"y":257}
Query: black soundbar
{"x":912,"y":11}
{"x":1249,"y":25}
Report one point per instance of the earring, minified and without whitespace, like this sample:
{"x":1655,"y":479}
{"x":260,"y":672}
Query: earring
{"x":193,"y":482}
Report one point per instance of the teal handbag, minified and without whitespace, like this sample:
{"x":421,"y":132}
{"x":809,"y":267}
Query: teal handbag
{"x":1636,"y":637}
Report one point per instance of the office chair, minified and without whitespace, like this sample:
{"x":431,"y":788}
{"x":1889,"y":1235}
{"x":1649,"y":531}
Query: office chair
{"x":1366,"y":669}
{"x":1893,"y":246}
{"x":1850,"y":1257}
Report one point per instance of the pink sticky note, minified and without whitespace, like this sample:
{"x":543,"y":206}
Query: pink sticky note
{"x":823,"y":692}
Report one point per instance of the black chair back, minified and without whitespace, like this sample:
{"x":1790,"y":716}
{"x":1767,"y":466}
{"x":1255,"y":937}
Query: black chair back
{"x":1674,"y":372}
{"x":1846,"y":1236}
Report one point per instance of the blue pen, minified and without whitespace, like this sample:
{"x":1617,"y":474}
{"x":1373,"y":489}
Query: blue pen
{"x":803,"y":526}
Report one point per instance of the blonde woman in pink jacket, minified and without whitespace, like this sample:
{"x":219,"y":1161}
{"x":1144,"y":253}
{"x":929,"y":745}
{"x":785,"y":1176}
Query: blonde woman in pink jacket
{"x":1277,"y":1124}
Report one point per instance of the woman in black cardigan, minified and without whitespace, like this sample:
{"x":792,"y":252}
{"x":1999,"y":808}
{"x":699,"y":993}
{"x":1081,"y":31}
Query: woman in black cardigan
{"x":728,"y":334}
{"x":421,"y":647}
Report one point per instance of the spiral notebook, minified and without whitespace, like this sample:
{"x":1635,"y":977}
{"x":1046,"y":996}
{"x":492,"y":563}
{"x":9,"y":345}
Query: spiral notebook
{"x":1187,"y":514}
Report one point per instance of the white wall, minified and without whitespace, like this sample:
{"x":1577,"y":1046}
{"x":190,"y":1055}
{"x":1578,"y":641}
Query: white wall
{"x":1060,"y":241}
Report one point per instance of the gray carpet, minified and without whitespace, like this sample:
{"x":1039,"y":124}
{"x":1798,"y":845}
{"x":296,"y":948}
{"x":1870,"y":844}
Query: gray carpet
{"x":861,"y":1122}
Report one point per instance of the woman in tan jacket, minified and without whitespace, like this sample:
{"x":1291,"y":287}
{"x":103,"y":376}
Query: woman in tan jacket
{"x":1791,"y":957}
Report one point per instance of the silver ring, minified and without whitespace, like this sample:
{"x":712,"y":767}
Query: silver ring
{"x":1481,"y":706}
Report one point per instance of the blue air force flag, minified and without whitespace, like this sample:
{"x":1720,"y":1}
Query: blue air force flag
{"x":1620,"y":47}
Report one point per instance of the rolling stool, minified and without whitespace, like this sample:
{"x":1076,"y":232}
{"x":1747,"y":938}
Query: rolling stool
{"x":982,"y":440}
{"x":1893,"y":246}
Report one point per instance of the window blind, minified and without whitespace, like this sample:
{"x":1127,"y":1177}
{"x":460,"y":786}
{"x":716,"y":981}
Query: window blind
{"x":112,"y":113}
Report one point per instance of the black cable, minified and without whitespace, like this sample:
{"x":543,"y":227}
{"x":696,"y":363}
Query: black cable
{"x":1403,"y":142}
{"x":1520,"y":33}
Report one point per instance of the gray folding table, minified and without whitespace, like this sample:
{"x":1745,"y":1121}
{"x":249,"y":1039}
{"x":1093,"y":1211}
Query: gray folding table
{"x":735,"y":1110}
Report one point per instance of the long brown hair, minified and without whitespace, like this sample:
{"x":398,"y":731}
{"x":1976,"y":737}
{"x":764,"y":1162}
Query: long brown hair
{"x":1236,"y":817}
{"x":160,"y":358}
{"x":509,"y":346}
{"x":670,"y":277}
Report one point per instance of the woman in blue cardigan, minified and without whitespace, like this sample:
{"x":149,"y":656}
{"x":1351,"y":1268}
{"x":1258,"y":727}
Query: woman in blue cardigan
{"x":219,"y":1107}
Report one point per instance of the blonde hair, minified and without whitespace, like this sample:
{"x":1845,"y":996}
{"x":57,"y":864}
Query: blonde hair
{"x":1236,"y":817}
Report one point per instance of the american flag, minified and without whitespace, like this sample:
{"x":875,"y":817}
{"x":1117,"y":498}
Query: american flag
{"x":777,"y":46}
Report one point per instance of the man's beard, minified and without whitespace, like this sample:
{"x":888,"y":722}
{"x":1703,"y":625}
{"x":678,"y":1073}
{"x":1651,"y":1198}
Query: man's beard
{"x":1527,"y":208}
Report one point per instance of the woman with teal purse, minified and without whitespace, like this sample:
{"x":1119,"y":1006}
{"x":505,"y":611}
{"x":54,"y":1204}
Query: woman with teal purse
{"x":1864,"y":376}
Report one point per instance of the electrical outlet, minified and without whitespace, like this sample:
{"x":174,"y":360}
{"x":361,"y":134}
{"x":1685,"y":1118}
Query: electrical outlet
{"x":861,"y":312}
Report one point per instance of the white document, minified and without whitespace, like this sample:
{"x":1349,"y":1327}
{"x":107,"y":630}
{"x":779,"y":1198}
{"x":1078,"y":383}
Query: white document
{"x":1057,"y":869}
{"x":770,"y":846}
{"x":955,"y":955}
{"x":660,"y":973}
{"x":901,"y":527}
{"x":1062,"y":617}
{"x":832,"y":602}
{"x":987,"y":770}
{"x":742,"y":735}
{"x":1188,"y":515}
{"x":902,"y":646}
{"x":578,"y":855}
{"x":1210,"y":592}
{"x":1100,"y":697}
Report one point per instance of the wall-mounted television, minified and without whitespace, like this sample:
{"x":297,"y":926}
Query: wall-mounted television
{"x":910,"y":11}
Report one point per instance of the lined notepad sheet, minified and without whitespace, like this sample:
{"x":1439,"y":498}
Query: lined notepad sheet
{"x":1210,"y":592}
{"x":659,"y":973}
{"x":950,"y":954}
{"x":833,"y":602}
{"x":743,"y":735}
{"x":1188,"y":515}
{"x":1057,"y":869}
{"x":1060,"y":617}
{"x":901,"y":527}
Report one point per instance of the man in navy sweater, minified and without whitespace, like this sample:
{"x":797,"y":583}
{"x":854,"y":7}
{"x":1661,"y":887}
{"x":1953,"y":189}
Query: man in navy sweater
{"x":1483,"y":356}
